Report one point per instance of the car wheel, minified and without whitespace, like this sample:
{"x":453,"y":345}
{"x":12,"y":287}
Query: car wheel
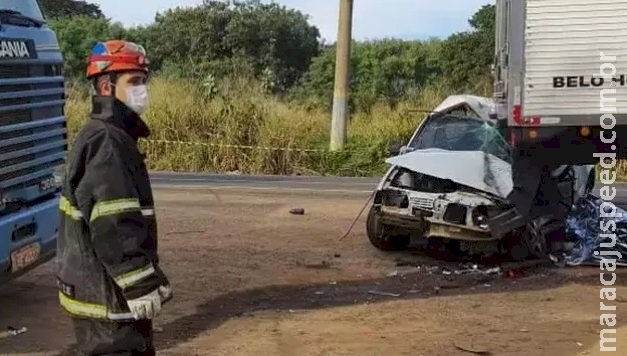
{"x":381,"y":236}
{"x":514,"y":248}
{"x":526,"y":243}
{"x":535,"y":241}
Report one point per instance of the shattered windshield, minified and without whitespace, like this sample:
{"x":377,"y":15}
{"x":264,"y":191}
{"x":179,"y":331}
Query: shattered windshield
{"x":454,"y":133}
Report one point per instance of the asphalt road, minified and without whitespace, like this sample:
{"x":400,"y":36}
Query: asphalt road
{"x":289,"y":183}
{"x":346,"y":185}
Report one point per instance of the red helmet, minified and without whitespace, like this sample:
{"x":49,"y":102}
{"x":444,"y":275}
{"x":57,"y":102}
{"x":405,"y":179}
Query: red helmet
{"x":116,"y":56}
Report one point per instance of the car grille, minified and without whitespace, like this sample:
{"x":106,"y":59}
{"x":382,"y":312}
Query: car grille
{"x":456,"y":214}
{"x":32,"y":127}
{"x":422,"y":203}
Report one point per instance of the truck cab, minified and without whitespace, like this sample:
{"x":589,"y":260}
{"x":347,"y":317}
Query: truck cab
{"x":33,"y":141}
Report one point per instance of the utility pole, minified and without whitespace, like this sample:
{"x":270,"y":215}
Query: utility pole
{"x":342,"y":74}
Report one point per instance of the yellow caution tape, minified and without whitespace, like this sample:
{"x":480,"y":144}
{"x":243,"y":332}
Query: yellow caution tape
{"x":221,"y":145}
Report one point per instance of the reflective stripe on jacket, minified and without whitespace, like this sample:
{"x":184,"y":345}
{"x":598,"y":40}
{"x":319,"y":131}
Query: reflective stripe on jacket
{"x":107,"y":246}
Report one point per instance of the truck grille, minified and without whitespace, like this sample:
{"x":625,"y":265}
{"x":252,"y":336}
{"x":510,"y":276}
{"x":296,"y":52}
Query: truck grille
{"x":32,"y":128}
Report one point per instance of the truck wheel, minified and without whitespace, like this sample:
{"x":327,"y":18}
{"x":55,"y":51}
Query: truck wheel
{"x":381,"y":235}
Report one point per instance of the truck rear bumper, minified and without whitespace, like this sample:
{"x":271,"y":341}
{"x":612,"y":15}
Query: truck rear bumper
{"x":565,"y":145}
{"x":15,"y":234}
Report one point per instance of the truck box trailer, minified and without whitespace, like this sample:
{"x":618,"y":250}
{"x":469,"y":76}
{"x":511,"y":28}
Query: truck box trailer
{"x":560,"y":91}
{"x":560,"y":66}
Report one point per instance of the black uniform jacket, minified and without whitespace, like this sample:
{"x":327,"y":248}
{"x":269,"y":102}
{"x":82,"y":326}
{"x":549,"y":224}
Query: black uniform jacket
{"x":107,"y":245}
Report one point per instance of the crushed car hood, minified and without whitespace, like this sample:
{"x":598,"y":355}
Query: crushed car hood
{"x":474,"y":169}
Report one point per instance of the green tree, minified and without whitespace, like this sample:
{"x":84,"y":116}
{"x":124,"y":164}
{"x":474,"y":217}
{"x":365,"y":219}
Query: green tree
{"x":466,"y":57}
{"x":381,"y":71}
{"x":275,"y":39}
{"x":271,"y":39}
{"x":78,"y":35}
{"x":70,"y":8}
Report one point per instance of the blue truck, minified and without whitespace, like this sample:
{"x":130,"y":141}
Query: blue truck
{"x":33,"y":137}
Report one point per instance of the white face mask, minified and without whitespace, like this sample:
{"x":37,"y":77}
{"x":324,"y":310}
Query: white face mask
{"x":137,"y":98}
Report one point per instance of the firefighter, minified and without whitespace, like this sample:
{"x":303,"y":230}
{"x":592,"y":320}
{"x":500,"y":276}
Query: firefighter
{"x":109,"y":278}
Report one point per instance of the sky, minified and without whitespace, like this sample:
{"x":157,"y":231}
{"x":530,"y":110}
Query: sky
{"x":372,"y":19}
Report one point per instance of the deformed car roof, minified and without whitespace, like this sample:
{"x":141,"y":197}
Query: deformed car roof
{"x":482,"y":106}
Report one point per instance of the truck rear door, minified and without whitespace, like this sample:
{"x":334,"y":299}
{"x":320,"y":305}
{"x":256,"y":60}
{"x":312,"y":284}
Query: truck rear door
{"x":563,"y":45}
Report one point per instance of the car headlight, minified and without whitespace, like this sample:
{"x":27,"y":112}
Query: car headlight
{"x":480,"y":217}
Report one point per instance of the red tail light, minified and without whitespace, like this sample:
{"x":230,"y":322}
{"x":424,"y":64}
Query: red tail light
{"x":518,"y":119}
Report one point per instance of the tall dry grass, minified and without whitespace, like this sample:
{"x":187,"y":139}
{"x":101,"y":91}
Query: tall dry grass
{"x":243,"y":129}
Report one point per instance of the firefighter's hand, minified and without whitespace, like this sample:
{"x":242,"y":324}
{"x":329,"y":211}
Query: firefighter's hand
{"x":146,"y":307}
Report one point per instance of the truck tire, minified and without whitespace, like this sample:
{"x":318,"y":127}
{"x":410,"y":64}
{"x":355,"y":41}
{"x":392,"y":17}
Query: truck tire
{"x":381,"y":236}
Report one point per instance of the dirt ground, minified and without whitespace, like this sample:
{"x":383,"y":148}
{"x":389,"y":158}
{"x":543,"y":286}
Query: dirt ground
{"x":251,"y":279}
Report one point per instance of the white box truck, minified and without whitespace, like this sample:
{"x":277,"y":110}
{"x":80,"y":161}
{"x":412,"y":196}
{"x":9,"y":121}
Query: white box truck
{"x":550,"y":96}
{"x":549,"y":55}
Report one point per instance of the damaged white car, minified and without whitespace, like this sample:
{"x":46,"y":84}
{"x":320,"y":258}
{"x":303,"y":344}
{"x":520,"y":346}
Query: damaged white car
{"x":454,"y":167}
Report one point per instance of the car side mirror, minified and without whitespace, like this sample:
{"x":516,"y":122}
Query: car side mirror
{"x":395,"y":149}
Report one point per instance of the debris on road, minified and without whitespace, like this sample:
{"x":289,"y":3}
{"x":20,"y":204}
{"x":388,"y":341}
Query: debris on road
{"x":186,"y":232}
{"x":297,"y":211}
{"x":474,"y":269}
{"x":12,"y":331}
{"x":431,"y":269}
{"x":383,"y":294}
{"x":321,"y":265}
{"x":407,"y":263}
{"x":403,"y":272}
{"x":348,"y":232}
{"x":471,"y":349}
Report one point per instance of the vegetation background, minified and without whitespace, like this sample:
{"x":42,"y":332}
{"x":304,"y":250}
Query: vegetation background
{"x":248,"y":87}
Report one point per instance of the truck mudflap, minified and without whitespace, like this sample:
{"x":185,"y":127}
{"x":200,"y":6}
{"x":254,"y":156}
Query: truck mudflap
{"x":33,"y":238}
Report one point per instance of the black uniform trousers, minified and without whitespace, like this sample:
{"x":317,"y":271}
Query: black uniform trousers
{"x":101,"y":337}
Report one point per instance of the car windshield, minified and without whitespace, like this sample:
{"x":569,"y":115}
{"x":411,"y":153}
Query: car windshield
{"x":454,"y":133}
{"x":28,"y":8}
